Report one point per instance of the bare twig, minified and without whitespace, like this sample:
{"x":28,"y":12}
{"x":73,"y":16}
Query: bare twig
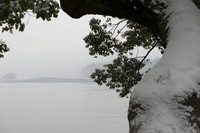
{"x":121,"y":30}
{"x":139,"y":64}
{"x":115,"y":26}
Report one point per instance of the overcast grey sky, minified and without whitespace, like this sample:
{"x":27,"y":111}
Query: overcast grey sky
{"x":49,"y":49}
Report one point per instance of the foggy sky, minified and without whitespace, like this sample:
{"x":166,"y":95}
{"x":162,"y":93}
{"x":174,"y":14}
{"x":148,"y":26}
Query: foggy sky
{"x":49,"y":49}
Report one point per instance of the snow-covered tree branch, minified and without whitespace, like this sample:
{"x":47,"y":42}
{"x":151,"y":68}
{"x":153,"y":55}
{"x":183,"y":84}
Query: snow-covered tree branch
{"x":167,"y":100}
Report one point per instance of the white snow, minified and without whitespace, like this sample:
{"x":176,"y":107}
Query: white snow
{"x":175,"y":74}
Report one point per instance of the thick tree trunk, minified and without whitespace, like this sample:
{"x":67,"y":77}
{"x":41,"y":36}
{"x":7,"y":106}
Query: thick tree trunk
{"x":167,"y":99}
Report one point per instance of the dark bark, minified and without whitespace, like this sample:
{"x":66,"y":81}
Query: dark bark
{"x":134,"y":11}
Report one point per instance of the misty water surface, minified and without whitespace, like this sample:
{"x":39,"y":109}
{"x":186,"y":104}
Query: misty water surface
{"x":61,"y":108}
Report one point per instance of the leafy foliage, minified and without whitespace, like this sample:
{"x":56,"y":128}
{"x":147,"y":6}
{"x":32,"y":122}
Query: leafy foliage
{"x":99,"y":40}
{"x":104,"y":39}
{"x":12,"y":13}
{"x":123,"y":74}
{"x":119,"y":38}
{"x":122,"y":38}
{"x":3,"y":48}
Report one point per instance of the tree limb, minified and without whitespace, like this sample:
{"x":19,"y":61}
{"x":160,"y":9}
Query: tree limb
{"x":138,"y":65}
{"x":132,"y":10}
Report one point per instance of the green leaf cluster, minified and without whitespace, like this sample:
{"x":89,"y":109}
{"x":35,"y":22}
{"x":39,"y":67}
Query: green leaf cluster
{"x":99,"y":40}
{"x":121,"y":39}
{"x":12,"y":13}
{"x":122,"y":74}
{"x":3,"y":48}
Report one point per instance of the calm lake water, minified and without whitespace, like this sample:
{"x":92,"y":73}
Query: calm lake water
{"x":61,"y":108}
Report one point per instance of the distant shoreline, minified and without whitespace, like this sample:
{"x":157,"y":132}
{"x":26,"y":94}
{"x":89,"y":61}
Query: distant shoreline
{"x":45,"y":80}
